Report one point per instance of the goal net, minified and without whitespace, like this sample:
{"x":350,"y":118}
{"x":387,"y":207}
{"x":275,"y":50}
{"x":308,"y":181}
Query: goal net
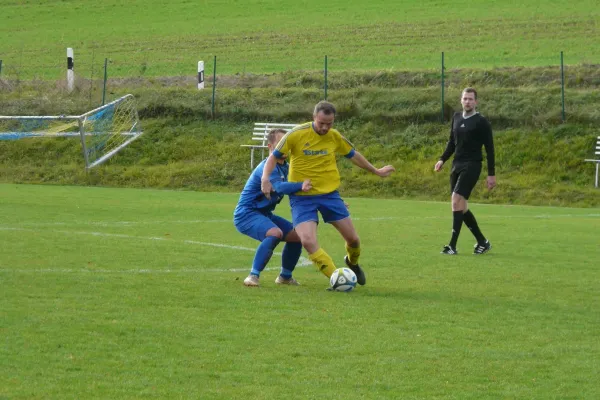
{"x":103,"y":131}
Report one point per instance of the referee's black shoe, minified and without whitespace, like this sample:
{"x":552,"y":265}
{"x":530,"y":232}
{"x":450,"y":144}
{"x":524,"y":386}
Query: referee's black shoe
{"x":449,"y":250}
{"x":482,"y":248}
{"x":360,"y":274}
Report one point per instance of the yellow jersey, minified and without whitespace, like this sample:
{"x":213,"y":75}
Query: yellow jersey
{"x":313,"y":156}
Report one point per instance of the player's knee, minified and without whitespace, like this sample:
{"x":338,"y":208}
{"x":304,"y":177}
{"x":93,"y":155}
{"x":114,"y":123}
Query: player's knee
{"x":276,"y":232}
{"x":310,"y":243}
{"x":458,"y":202}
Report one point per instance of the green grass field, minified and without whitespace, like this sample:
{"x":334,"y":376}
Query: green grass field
{"x":157,"y":38}
{"x":126,"y":293}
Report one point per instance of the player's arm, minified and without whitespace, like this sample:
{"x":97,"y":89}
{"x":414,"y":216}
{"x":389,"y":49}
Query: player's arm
{"x":360,"y":161}
{"x":265,"y":183}
{"x":450,"y":148}
{"x":280,"y":186}
{"x":286,"y":187}
{"x":345,"y":147}
{"x":488,"y":143}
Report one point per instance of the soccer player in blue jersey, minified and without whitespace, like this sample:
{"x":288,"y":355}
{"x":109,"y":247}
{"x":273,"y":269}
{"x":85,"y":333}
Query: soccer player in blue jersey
{"x":312,"y":148}
{"x":253,"y":216}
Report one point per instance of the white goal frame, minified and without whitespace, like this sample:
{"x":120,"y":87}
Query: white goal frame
{"x":131,"y":132}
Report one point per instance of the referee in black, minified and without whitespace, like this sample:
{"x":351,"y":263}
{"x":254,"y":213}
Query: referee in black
{"x":469,"y":133}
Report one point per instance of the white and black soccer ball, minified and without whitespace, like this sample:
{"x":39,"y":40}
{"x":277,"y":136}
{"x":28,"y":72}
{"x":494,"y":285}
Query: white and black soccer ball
{"x":343,"y":280}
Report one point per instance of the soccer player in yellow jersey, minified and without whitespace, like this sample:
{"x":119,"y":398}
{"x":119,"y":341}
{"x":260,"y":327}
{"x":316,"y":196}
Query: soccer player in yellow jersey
{"x":311,"y":150}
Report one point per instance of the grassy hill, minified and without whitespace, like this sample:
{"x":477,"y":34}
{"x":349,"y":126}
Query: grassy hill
{"x":157,"y":38}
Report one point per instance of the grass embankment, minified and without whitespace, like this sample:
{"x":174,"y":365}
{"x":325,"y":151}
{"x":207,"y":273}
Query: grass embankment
{"x":391,"y":118}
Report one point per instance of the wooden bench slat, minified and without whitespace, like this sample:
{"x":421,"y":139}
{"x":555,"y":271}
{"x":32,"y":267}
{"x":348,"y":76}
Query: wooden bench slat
{"x":597,"y":162}
{"x":260,"y":134}
{"x":273,"y":124}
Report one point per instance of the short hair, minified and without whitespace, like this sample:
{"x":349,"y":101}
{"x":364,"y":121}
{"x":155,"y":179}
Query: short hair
{"x":273,"y":135}
{"x":325,"y":107}
{"x":470,"y":90}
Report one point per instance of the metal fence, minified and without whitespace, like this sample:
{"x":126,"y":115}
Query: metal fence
{"x":95,"y":77}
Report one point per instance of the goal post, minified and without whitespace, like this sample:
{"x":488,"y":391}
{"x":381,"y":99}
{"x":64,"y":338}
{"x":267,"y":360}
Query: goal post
{"x":108,"y":129}
{"x":103,"y":131}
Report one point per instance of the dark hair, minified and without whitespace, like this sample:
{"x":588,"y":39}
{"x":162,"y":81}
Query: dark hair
{"x":471,"y":90}
{"x":325,"y":107}
{"x":273,"y":134}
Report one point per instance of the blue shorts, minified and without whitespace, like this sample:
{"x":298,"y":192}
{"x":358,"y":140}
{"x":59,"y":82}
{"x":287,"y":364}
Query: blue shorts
{"x":306,"y":208}
{"x":255,"y":224}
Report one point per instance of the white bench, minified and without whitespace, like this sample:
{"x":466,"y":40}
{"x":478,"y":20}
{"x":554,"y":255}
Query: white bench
{"x":260,"y":137}
{"x":597,"y":160}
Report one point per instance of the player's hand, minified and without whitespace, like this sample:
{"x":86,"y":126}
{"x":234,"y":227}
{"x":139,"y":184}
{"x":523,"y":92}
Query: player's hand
{"x":385,"y":171}
{"x":438,"y":166}
{"x":491,"y":182}
{"x":266,"y":187}
{"x":347,"y":205}
{"x":306,"y":185}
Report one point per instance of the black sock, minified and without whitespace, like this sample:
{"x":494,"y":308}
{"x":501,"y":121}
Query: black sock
{"x":471,"y":223}
{"x":457,"y":220}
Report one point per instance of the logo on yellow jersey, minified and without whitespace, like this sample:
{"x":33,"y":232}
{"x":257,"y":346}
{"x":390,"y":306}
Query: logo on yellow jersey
{"x":314,"y":152}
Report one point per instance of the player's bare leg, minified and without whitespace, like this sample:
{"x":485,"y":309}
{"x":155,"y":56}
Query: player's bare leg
{"x":307,"y":231}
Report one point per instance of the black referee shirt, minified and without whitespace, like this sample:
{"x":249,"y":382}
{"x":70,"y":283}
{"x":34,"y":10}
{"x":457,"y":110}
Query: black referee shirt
{"x":467,"y":136}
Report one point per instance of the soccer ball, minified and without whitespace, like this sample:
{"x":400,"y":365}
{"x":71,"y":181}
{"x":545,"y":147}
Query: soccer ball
{"x":343,"y":280}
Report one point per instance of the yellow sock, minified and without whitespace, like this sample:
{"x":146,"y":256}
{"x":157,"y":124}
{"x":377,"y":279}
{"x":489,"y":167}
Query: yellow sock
{"x":353,"y":254}
{"x":323,"y":262}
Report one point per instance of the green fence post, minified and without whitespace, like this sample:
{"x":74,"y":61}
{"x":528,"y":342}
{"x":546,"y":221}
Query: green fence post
{"x":562,"y":84}
{"x":92,"y":75}
{"x":105,"y":79}
{"x":325,"y":77}
{"x":443,"y":68}
{"x":212,"y":112}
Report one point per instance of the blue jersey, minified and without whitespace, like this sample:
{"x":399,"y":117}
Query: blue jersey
{"x":252,"y":198}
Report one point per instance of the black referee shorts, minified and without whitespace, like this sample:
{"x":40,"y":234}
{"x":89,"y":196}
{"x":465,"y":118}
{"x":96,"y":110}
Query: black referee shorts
{"x":464,"y":176}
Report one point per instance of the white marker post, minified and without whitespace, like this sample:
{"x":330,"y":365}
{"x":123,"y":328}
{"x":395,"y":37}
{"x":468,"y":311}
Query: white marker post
{"x":70,"y":73}
{"x":200,"y":75}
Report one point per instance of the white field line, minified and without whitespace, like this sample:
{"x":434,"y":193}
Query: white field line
{"x":303,"y":262}
{"x":188,"y":270}
{"x":126,"y":223}
{"x":204,"y":221}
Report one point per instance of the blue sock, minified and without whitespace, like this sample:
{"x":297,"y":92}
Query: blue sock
{"x":289,"y":258}
{"x":263,"y":254}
